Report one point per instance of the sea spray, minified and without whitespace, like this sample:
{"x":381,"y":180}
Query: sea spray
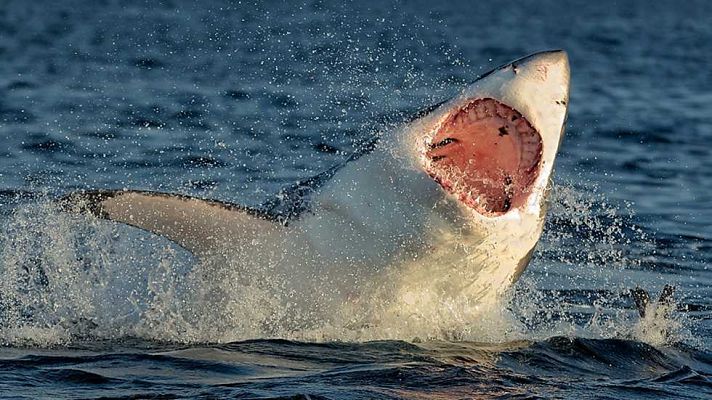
{"x":70,"y":278}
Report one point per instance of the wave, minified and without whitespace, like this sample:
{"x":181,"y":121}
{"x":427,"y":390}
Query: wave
{"x":560,"y":366}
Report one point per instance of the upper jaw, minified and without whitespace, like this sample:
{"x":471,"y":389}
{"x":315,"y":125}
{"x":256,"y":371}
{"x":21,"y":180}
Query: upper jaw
{"x":537,"y":86}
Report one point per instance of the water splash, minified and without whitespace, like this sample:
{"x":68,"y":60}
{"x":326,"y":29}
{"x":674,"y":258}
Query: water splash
{"x":588,"y":260}
{"x":67,"y":278}
{"x":584,"y":228}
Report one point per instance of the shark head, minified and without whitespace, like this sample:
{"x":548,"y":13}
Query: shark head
{"x":491,"y":151}
{"x":493,"y":147}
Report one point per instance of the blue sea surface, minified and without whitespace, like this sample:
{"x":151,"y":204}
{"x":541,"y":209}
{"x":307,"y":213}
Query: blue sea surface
{"x":237,"y":100}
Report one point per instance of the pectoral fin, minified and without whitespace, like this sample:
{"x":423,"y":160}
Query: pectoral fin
{"x":200,"y":226}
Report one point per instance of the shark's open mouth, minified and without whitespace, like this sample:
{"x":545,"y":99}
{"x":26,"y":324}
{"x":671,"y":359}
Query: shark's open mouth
{"x":487,"y":154}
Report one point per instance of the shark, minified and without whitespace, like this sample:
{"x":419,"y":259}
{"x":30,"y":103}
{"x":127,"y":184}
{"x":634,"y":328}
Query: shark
{"x":448,"y":205}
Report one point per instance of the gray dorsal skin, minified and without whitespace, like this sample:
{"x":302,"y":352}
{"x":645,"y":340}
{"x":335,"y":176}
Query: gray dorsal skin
{"x":387,"y":212}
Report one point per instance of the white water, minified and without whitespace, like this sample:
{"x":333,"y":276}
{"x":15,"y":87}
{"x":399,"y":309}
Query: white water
{"x":69,"y":278}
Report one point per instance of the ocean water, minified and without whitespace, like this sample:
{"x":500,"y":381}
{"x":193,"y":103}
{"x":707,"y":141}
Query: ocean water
{"x":236,"y":100}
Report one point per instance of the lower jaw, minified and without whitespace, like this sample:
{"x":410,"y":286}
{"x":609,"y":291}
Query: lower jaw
{"x":475,"y":202}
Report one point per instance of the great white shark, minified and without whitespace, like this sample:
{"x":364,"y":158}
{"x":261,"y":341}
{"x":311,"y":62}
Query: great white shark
{"x":449,"y":205}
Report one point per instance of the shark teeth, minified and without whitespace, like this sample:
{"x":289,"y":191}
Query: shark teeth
{"x":487,"y":154}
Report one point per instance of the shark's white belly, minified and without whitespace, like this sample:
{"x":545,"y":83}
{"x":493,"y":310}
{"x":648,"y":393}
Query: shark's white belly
{"x":368,"y":237}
